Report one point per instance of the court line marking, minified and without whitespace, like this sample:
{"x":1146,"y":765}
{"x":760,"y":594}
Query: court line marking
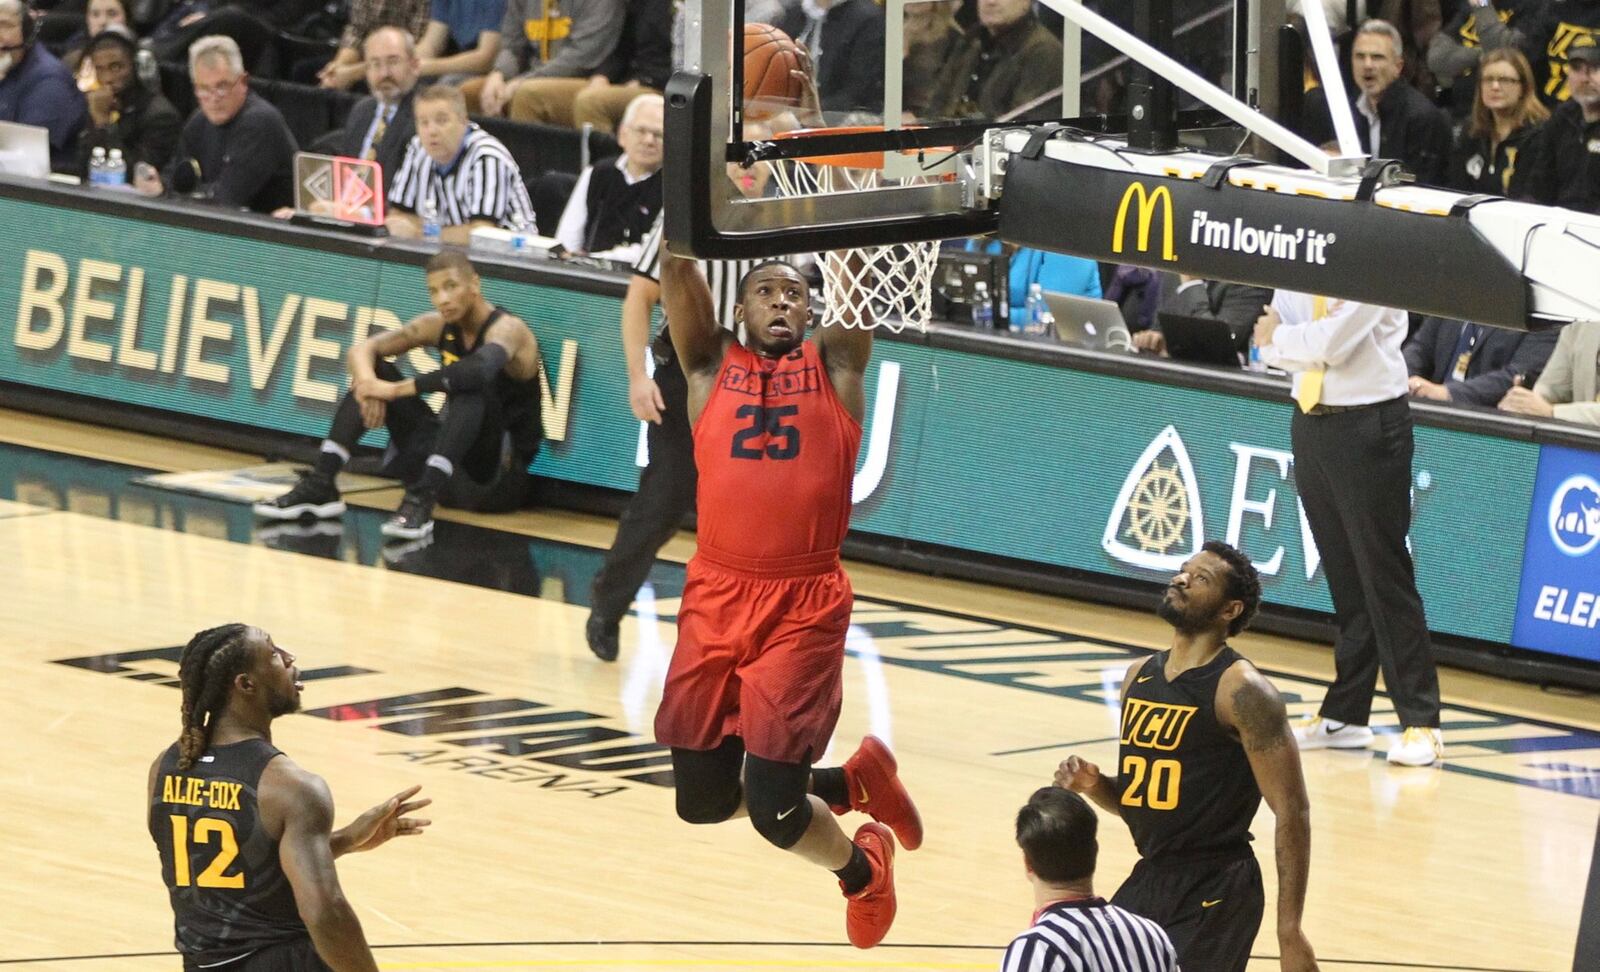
{"x":725,"y":963}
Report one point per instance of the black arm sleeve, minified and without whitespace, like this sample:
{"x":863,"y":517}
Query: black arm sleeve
{"x":469,"y":374}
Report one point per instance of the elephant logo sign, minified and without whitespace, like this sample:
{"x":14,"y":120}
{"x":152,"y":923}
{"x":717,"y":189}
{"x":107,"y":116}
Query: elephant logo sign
{"x":1575,"y":516}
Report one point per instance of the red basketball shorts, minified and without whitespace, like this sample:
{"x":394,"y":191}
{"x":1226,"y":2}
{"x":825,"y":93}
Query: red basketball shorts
{"x":759,"y":656}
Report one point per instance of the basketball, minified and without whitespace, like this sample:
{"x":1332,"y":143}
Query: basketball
{"x":770,"y":56}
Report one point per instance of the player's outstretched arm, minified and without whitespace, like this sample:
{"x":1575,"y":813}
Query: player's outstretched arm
{"x":373,"y":829}
{"x":691,"y":316}
{"x":302,"y":801}
{"x":1250,"y":704}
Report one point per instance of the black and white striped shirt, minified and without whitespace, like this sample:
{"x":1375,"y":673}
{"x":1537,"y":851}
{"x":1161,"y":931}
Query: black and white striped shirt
{"x":1090,"y":935}
{"x":483,"y":183}
{"x":722,"y":275}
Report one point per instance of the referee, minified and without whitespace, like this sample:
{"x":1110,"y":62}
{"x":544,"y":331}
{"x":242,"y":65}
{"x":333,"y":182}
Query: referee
{"x":468,"y":176}
{"x":1352,"y":444}
{"x":1072,"y":928}
{"x":667,"y":484}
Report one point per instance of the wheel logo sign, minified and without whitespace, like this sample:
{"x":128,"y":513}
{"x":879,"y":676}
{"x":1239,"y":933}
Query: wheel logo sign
{"x":1156,"y":521}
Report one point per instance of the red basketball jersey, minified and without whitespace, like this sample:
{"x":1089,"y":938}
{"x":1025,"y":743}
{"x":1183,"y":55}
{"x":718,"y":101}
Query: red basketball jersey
{"x":776,"y":452}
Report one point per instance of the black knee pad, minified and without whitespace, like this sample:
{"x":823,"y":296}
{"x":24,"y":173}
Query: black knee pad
{"x":707,"y":782}
{"x":775,"y":794}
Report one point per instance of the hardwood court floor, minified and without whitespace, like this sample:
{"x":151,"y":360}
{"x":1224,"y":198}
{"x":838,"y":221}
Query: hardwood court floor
{"x":554,"y":843}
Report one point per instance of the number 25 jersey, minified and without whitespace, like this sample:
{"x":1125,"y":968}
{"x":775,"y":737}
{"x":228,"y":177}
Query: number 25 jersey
{"x":230,"y":896}
{"x":776,"y":453}
{"x":1186,"y":783}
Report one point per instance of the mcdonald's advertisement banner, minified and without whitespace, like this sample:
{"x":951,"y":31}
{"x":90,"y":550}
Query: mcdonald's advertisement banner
{"x":1022,"y":460}
{"x":1432,"y":264}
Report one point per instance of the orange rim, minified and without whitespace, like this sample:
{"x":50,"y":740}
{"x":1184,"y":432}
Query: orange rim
{"x":846,"y":160}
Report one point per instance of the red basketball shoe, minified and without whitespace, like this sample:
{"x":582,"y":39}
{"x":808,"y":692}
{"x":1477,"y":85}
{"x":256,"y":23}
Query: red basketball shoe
{"x":876,"y":790}
{"x":869,"y":912}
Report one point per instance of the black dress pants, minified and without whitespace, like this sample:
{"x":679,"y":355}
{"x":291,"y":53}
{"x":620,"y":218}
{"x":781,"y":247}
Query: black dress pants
{"x":666,"y":493}
{"x":1353,"y":472}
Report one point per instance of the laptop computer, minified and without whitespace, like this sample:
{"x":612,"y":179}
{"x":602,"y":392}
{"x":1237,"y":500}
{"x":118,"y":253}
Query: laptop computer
{"x":24,"y":150}
{"x":344,"y":193}
{"x":1198,"y":339}
{"x":1088,"y":322}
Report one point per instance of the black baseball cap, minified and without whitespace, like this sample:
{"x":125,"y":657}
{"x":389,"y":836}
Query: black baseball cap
{"x":1583,"y":48}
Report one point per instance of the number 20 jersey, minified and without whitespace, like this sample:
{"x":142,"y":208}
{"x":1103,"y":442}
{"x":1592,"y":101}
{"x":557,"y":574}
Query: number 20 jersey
{"x":776,"y":453}
{"x":1186,"y":784}
{"x":230,"y":896}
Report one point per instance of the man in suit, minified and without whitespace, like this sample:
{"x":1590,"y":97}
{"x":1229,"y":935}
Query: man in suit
{"x":1394,"y":119}
{"x":1236,"y":305}
{"x":845,"y":39}
{"x":380,"y":126}
{"x":1569,"y":389}
{"x":1472,"y":364}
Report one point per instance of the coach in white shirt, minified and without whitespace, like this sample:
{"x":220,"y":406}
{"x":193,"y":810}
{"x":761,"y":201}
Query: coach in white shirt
{"x":466,"y":174}
{"x":1352,"y":441}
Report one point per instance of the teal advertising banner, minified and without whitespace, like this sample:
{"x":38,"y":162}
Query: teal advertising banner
{"x":1023,"y":460}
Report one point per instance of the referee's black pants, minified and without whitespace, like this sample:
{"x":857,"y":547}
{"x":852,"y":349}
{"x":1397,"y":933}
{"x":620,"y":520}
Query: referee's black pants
{"x":666,"y":493}
{"x":1353,"y":471}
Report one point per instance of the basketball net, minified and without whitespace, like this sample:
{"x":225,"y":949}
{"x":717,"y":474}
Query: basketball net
{"x":889,"y":286}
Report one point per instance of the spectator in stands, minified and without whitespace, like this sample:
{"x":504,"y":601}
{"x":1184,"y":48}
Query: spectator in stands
{"x":1569,"y":389}
{"x":124,"y":112}
{"x":931,"y":37}
{"x":1236,"y":305}
{"x":845,"y":38}
{"x":1505,"y":117}
{"x":1399,"y":121}
{"x":462,"y":39}
{"x":542,"y":40}
{"x":253,"y":26}
{"x":235,"y":150}
{"x":640,"y":63}
{"x":35,"y":88}
{"x":349,"y":63}
{"x":616,"y":201}
{"x":380,"y":127}
{"x":1568,"y":21}
{"x":1055,"y":272}
{"x":1473,"y":364}
{"x":1006,"y":61}
{"x":98,"y":14}
{"x":1565,"y":169}
{"x":1481,"y":26}
{"x":465,"y":174}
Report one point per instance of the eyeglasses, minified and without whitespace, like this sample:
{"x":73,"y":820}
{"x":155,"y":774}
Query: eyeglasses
{"x":643,"y":132}
{"x":214,"y":91}
{"x":1494,"y":82}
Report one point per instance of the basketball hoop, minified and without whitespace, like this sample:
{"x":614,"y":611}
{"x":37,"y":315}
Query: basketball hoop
{"x":889,"y":286}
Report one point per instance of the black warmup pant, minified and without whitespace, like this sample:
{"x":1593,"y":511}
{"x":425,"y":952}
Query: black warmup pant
{"x":1353,"y":471}
{"x":666,"y":493}
{"x":490,"y":475}
{"x":1210,"y":907}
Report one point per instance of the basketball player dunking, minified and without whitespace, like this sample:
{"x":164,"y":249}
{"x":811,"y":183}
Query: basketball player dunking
{"x":756,"y":682}
{"x":245,"y":836}
{"x":1204,"y":737}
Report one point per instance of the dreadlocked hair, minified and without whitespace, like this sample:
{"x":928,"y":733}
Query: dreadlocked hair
{"x":207,"y":668}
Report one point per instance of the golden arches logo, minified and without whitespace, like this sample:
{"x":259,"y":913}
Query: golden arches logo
{"x":1148,"y":201}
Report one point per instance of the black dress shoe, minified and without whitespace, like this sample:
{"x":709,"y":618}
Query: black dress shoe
{"x":602,"y":635}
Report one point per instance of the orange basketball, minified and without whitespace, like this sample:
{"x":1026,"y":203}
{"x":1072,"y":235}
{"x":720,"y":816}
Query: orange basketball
{"x":770,"y":56}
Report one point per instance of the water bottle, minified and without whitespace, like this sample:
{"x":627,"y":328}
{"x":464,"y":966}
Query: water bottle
{"x":97,"y":167}
{"x":429,"y":213}
{"x":115,"y":173}
{"x":982,"y":308}
{"x":1037,"y":318}
{"x":1255,"y":363}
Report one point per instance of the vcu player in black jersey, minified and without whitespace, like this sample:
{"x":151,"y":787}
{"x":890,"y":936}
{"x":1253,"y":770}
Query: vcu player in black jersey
{"x":245,"y":836}
{"x":475,"y":454}
{"x":1204,"y":737}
